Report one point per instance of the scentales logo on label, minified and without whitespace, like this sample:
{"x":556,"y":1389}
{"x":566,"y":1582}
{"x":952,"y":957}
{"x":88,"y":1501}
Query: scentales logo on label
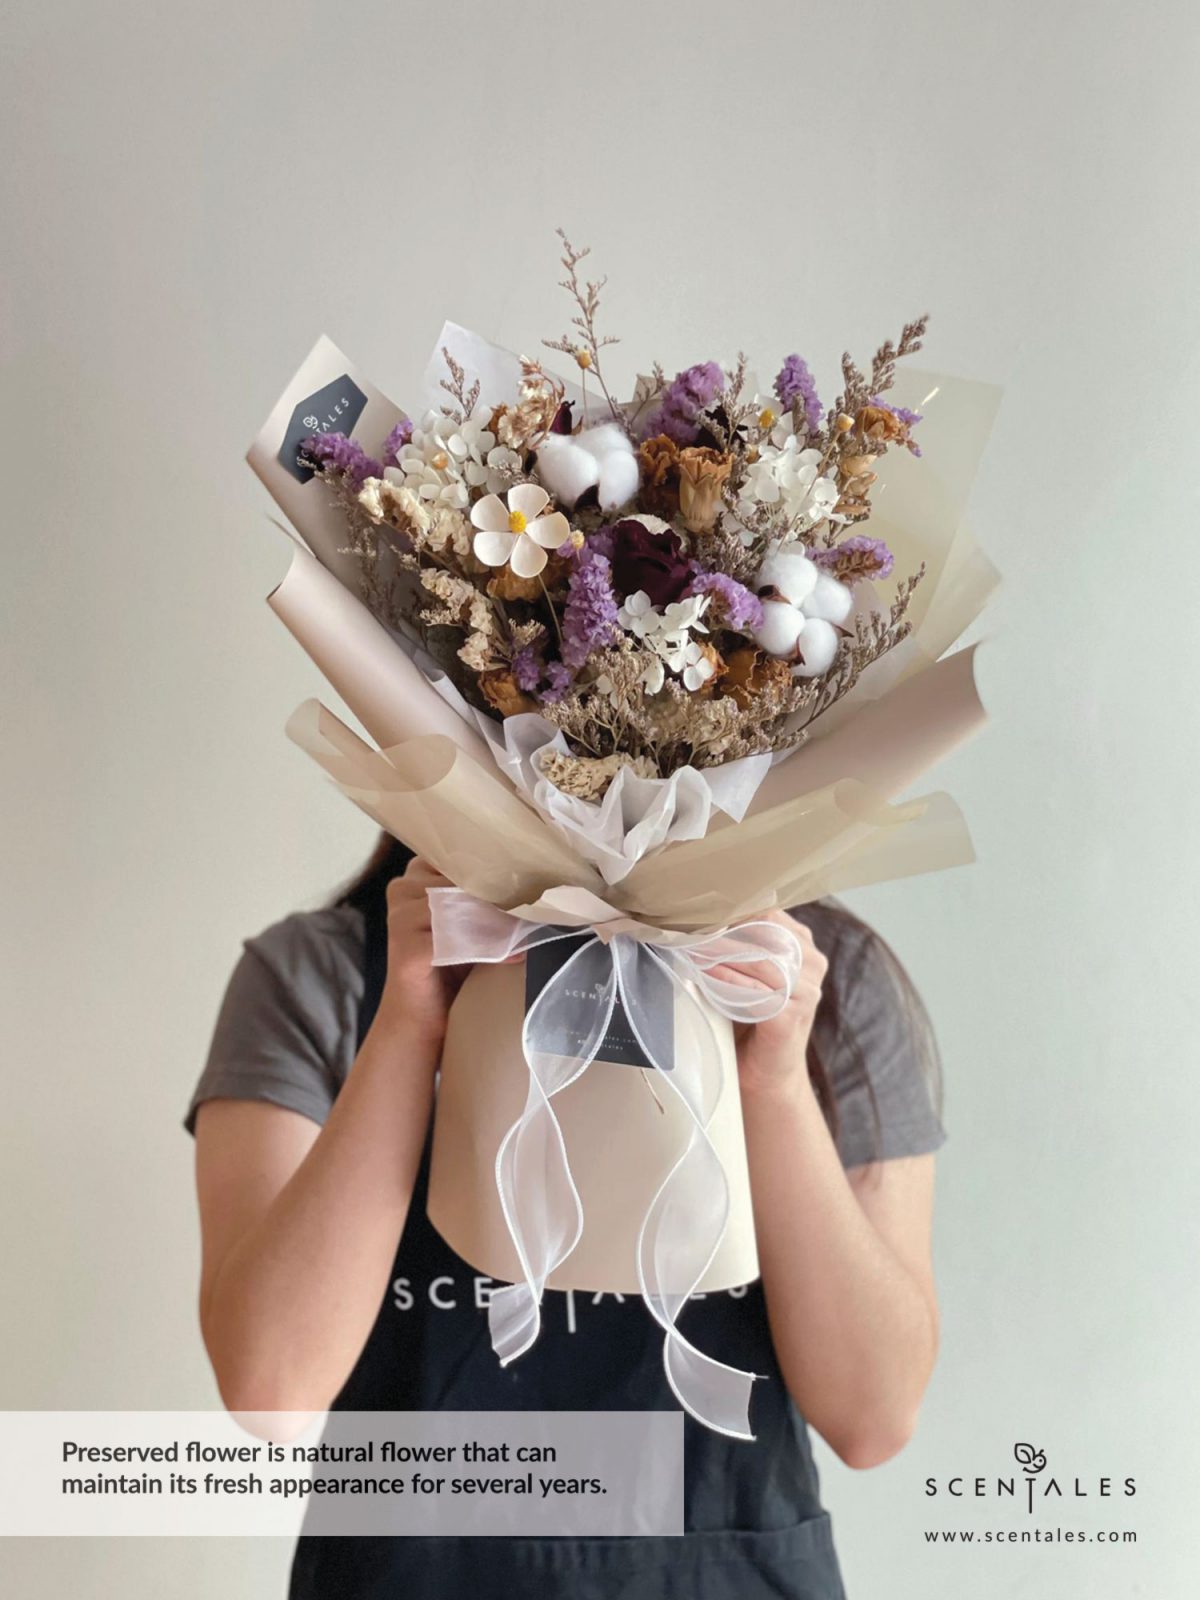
{"x":1029,"y":1486}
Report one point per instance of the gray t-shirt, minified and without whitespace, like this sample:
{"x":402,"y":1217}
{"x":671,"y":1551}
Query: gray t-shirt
{"x":287,"y":1029}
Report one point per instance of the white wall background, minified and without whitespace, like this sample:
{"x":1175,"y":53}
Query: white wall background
{"x":191,"y":195}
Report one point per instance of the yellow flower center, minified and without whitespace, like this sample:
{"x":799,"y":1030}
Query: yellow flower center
{"x":576,"y":539}
{"x":440,"y":461}
{"x":516,"y":522}
{"x":767,"y":418}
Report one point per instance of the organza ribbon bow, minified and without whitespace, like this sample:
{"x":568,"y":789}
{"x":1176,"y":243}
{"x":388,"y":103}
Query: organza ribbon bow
{"x":619,"y":961}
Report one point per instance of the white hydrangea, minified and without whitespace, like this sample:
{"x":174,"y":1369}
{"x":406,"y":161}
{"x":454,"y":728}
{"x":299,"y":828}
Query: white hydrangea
{"x":790,"y":476}
{"x":445,"y":459}
{"x":668,"y":633}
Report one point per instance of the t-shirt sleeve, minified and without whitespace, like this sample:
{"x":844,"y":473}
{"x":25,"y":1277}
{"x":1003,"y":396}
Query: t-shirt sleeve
{"x":880,"y":1056}
{"x":286,"y":1030}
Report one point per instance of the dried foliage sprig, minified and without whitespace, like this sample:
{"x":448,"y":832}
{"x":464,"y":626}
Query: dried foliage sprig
{"x":585,"y":349}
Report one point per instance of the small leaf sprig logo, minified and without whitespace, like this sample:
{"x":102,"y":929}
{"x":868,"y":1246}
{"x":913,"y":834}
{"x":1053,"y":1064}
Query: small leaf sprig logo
{"x":1032,"y":1461}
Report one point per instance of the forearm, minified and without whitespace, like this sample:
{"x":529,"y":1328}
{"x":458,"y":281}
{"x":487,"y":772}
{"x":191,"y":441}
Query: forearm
{"x":854,"y":1330}
{"x":291,"y":1304}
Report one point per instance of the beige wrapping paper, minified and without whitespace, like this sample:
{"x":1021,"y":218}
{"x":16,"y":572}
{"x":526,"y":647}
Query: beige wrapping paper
{"x":374,"y":674}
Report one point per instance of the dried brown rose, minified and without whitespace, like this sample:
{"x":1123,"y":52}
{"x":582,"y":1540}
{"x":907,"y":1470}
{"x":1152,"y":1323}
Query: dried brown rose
{"x":502,"y":692}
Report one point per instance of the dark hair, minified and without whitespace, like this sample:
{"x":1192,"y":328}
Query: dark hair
{"x":367,"y":892}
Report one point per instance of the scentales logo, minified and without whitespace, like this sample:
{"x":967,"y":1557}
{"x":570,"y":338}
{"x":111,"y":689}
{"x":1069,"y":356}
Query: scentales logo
{"x":1029,"y":1486}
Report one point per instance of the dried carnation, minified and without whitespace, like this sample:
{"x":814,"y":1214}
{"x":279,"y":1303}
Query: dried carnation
{"x":702,"y":475}
{"x":658,"y":458}
{"x":749,"y":673}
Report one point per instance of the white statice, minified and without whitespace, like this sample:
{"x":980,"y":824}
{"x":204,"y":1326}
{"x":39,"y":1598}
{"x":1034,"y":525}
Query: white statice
{"x":788,"y":475}
{"x":803,"y":607}
{"x":601,"y":458}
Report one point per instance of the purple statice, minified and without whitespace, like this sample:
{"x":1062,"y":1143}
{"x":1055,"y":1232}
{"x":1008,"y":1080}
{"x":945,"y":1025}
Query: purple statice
{"x":904,"y":415}
{"x":396,"y":440}
{"x":860,"y":556}
{"x":589,"y":619}
{"x":337,"y":453}
{"x":527,"y":668}
{"x":686,"y":397}
{"x":558,"y":680}
{"x":734,"y":604}
{"x":795,"y":382}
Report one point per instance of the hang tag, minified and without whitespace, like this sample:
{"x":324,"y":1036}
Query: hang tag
{"x":620,"y":1045}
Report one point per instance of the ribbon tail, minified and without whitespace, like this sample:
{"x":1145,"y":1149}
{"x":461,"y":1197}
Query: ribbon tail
{"x":686,"y":1221}
{"x":541,"y":1205}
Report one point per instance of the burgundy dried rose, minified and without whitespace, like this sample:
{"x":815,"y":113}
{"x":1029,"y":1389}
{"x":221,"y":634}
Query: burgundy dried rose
{"x":649,"y":560}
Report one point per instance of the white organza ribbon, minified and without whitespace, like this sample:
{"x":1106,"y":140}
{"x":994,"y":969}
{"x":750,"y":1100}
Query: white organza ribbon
{"x":686,"y":1220}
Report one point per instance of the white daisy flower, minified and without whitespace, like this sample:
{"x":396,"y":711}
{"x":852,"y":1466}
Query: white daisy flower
{"x":516,"y":533}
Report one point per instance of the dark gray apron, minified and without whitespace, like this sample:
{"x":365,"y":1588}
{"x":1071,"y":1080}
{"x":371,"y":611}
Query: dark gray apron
{"x":755,"y":1527}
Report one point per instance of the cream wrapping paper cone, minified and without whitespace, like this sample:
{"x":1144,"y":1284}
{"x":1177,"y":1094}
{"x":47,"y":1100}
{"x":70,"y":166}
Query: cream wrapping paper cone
{"x":374,"y":674}
{"x":327,"y":394}
{"x":621,"y":1134}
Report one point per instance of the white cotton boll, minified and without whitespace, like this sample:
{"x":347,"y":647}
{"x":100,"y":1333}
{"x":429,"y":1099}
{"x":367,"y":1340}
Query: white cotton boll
{"x":618,"y":479}
{"x":830,"y":599}
{"x":781,"y":627}
{"x":603,"y":439}
{"x":818,"y":645}
{"x":565,"y":469}
{"x":789,"y":571}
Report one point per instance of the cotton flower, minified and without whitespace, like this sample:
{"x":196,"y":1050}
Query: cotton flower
{"x":600,"y":458}
{"x":516,"y":534}
{"x":802,"y":608}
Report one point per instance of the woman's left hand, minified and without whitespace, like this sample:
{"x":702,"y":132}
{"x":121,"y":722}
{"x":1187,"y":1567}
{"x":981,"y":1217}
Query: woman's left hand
{"x":773,"y":1053}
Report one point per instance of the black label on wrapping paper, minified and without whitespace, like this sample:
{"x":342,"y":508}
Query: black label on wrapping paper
{"x":620,"y":1044}
{"x":334,"y":408}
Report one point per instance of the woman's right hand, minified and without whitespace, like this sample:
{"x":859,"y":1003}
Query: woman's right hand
{"x":416,"y":994}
